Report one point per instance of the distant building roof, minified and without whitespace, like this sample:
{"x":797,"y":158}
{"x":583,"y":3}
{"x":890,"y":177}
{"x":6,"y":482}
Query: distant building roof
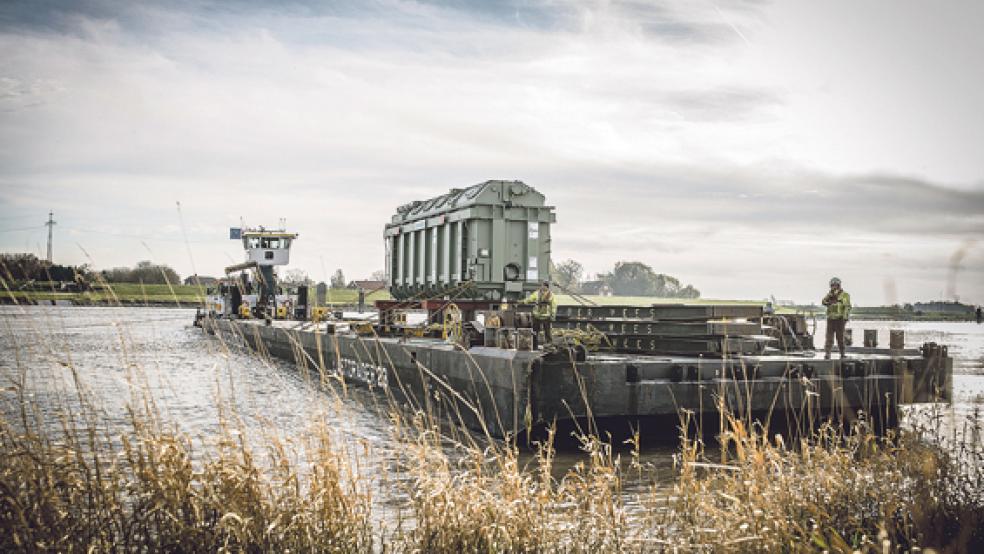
{"x":367,"y":285}
{"x":200,"y":279}
{"x":600,"y":288}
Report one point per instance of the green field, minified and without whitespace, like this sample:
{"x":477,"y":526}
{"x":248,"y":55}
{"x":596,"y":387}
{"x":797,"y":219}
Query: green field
{"x":125,"y":293}
{"x":351,"y":296}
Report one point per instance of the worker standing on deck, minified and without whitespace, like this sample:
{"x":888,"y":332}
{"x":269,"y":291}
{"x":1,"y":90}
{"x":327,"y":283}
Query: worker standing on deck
{"x":838,"y":304}
{"x":544,"y":312}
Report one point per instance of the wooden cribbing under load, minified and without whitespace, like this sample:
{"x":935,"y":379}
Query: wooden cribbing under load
{"x":661,"y":312}
{"x":710,"y":330}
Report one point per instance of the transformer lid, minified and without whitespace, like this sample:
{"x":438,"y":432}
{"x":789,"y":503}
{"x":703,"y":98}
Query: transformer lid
{"x":495,"y":192}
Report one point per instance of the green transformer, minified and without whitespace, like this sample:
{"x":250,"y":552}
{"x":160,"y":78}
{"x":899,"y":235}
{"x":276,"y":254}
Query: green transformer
{"x":487,"y":242}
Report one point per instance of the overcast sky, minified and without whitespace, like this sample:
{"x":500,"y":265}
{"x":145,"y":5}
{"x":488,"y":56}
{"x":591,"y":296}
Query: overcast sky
{"x":748,"y":148}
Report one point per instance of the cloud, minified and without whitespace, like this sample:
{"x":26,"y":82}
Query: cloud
{"x":790,"y":199}
{"x":445,"y":81}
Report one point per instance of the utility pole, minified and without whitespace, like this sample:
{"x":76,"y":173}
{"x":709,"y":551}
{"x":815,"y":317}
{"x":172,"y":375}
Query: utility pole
{"x":50,"y":224}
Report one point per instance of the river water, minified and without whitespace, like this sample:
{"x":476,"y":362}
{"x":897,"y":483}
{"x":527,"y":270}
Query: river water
{"x":191,"y":376}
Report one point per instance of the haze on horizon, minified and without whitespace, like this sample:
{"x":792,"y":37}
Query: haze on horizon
{"x":748,"y":148}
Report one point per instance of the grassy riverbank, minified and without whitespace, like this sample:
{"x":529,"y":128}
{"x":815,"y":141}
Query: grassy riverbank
{"x":77,"y":478}
{"x":137,"y":294}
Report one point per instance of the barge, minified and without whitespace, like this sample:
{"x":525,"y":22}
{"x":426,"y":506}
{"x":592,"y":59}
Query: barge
{"x":457,"y":339}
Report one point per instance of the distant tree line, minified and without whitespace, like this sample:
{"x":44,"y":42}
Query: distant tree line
{"x":28,"y":267}
{"x":625,"y":279}
{"x":145,"y":272}
{"x":338,"y":279}
{"x":295,"y":277}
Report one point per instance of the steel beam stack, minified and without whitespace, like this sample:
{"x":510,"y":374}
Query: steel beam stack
{"x":709,"y":330}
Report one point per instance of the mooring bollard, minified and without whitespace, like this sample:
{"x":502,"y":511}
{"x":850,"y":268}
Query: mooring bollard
{"x":505,"y":338}
{"x":871,"y":338}
{"x":524,"y":339}
{"x":896,"y":339}
{"x":489,"y":335}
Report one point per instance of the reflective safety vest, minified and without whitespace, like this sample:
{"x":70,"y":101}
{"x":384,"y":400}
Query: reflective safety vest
{"x":840,"y":307}
{"x":545,"y":307}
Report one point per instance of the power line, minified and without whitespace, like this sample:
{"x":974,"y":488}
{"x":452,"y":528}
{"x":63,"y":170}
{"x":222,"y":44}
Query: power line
{"x":109,"y":233}
{"x":22,"y":216}
{"x":22,"y":229}
{"x":138,"y":237}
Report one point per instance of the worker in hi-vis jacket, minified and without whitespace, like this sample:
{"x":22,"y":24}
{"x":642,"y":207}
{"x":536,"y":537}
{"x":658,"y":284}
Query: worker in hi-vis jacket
{"x":544,"y":311}
{"x":838,"y":304}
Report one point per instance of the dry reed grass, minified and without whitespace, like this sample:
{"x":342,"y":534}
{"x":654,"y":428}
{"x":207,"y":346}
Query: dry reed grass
{"x":486,"y":501}
{"x":829,"y":491}
{"x":76,"y":487}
